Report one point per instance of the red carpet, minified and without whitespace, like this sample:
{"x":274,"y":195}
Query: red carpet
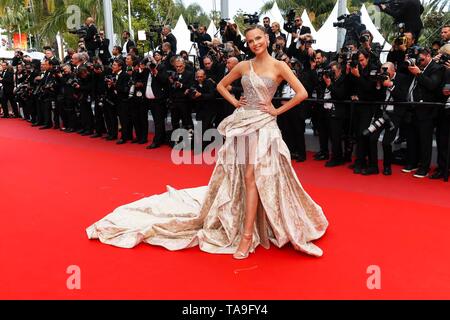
{"x":53,"y":185}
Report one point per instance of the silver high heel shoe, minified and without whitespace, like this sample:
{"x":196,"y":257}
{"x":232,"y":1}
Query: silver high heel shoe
{"x":244,"y":254}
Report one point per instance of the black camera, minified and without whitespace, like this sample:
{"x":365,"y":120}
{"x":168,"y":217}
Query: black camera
{"x":73,"y":82}
{"x":81,"y":32}
{"x":193,"y":27}
{"x":191,"y":92}
{"x":379,"y":123}
{"x":445,"y":57}
{"x":327,"y":72}
{"x":364,"y":38}
{"x":381,"y":75}
{"x":289,"y":25}
{"x":351,"y":23}
{"x":354,"y":60}
{"x":251,"y":18}
{"x":412,"y":56}
{"x":222,"y":25}
{"x":157,"y":28}
{"x":311,"y":41}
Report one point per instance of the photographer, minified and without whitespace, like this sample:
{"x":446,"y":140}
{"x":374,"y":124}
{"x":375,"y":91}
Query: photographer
{"x":203,"y":93}
{"x":394,"y":87}
{"x":103,"y":48}
{"x":292,"y":122}
{"x":298,"y":31}
{"x":156,"y":97}
{"x":303,"y":52}
{"x":47,"y":94}
{"x":7,"y":81}
{"x":337,"y":88}
{"x":231,"y":34}
{"x":121,"y":89}
{"x":235,"y":88}
{"x":364,"y":89}
{"x":276,"y":30}
{"x":90,"y":38}
{"x":266,"y":24}
{"x":201,"y":38}
{"x":139,"y":109}
{"x":443,"y":119}
{"x":127,"y":43}
{"x":279,"y":48}
{"x":83,"y":90}
{"x":374,"y":48}
{"x":17,"y":59}
{"x":407,"y":12}
{"x":400,"y":47}
{"x":68,"y":58}
{"x":167,"y":36}
{"x":70,"y":99}
{"x":213,"y":70}
{"x":180,"y":80}
{"x":426,"y":87}
{"x":167,"y":55}
{"x":98,"y":95}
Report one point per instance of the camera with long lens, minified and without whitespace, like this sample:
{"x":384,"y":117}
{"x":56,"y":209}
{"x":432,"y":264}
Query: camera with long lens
{"x":81,"y":32}
{"x":289,"y":25}
{"x":352,"y":24}
{"x":379,"y":75}
{"x":412,"y":56}
{"x":193,"y":29}
{"x":155,"y":28}
{"x":379,"y":123}
{"x":251,"y":18}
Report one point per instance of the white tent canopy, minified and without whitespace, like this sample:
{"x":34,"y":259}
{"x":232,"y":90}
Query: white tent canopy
{"x":307,"y":23}
{"x":212,"y":30}
{"x":326,"y":37}
{"x":183,"y":35}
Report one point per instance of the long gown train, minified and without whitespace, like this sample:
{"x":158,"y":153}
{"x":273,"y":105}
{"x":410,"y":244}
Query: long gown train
{"x":212,"y":216}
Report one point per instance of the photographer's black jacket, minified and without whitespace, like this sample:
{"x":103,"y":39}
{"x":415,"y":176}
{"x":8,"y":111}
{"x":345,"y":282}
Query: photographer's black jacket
{"x":428,"y":88}
{"x":187,"y":81}
{"x":8,"y":81}
{"x":339,"y":90}
{"x":407,"y":12}
{"x":122,"y":88}
{"x":89,"y":39}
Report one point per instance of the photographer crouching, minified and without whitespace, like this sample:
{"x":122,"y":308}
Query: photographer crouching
{"x":394,"y":86}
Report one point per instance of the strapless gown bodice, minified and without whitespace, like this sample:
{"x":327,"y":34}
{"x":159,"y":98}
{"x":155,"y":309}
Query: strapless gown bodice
{"x":251,"y":93}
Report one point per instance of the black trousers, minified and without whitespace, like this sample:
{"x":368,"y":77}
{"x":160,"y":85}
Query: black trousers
{"x":158,"y":109}
{"x":442,"y":139}
{"x":126,"y":123}
{"x":8,"y":96}
{"x":365,"y":148}
{"x":86,"y":115}
{"x":46,"y":112}
{"x":181,"y":111}
{"x":111,"y":119}
{"x":388,"y":138}
{"x":70,"y":114}
{"x":206,"y":113}
{"x":292,"y":126}
{"x":99,"y":117}
{"x":419,"y":142}
{"x":337,"y":132}
{"x":139,"y":115}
